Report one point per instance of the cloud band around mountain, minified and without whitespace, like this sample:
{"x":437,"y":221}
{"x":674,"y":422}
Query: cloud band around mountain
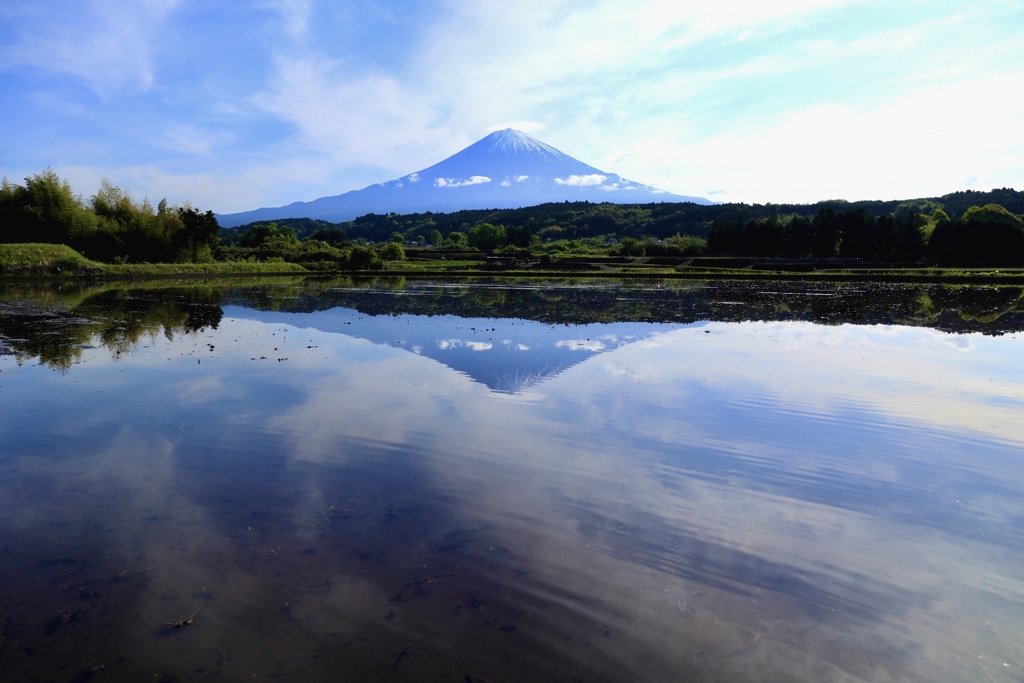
{"x":582,"y":180}
{"x":450,"y":182}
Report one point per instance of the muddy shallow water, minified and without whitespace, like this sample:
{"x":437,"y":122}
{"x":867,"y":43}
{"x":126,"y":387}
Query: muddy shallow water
{"x":491,"y":482}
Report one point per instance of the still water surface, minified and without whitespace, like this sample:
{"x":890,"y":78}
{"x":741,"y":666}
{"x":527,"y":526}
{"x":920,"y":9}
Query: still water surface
{"x":504,"y":482}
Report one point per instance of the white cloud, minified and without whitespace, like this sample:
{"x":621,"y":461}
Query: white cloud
{"x":195,"y":139}
{"x":105,"y":44}
{"x":582,"y":180}
{"x":295,"y":15}
{"x":621,"y":72}
{"x":732,"y":97}
{"x":950,"y":143}
{"x":450,"y":182}
{"x":350,"y":117}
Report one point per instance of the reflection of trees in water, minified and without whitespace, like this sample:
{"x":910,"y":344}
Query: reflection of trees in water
{"x":989,"y":310}
{"x":60,"y":325}
{"x":115,"y":319}
{"x":981,"y":304}
{"x":54,"y":337}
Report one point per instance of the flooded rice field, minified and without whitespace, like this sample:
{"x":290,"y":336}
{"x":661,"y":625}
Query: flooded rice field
{"x":490,"y":482}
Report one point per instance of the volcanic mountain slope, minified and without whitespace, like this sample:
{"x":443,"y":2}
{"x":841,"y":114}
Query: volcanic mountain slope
{"x":507,"y":169}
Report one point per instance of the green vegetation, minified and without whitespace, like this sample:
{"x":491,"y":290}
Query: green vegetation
{"x":116,"y":318}
{"x":44,"y":259}
{"x":984,"y":236}
{"x":58,"y":260}
{"x":115,"y":235}
{"x":54,"y":322}
{"x":111,"y":228}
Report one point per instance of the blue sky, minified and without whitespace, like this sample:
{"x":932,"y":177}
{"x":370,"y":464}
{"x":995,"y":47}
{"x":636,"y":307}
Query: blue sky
{"x":237,"y":105}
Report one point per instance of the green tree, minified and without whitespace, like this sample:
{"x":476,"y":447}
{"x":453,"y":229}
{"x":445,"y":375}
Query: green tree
{"x":826,"y":233}
{"x":984,"y":236}
{"x":909,"y":239}
{"x":630,"y":246}
{"x":43,"y":210}
{"x":333,"y":236}
{"x":519,"y":235}
{"x":798,"y":237}
{"x":363,"y":258}
{"x":197,"y":236}
{"x":132,"y":230}
{"x":457,"y":240}
{"x":435,"y":238}
{"x":392,"y":251}
{"x":858,"y":234}
{"x":486,"y":237}
{"x":762,"y":237}
{"x":724,"y":236}
{"x":263,"y":233}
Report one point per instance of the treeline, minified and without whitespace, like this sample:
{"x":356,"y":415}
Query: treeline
{"x":990,"y":310}
{"x":114,"y":228}
{"x":914,"y":231}
{"x":986,"y":235}
{"x":574,"y":220}
{"x":316,"y":245}
{"x":110,"y":227}
{"x":856,"y":234}
{"x":962,"y":228}
{"x":936,"y":229}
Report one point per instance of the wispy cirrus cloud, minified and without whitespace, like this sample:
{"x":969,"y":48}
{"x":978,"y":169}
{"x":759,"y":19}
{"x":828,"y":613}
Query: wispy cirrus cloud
{"x":105,"y":45}
{"x":294,"y":15}
{"x":307,"y":98}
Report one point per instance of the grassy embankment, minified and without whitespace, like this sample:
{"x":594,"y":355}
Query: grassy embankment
{"x":59,"y":261}
{"x":706,"y":268}
{"x":46,"y":261}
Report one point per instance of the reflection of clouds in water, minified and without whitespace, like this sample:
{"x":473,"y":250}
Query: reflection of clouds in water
{"x":873,"y":545}
{"x":592,"y":345}
{"x":636,"y":371}
{"x":695,"y":488}
{"x":960,"y":341}
{"x":213,"y":388}
{"x":823,"y":368}
{"x":595,"y":343}
{"x":445,"y":344}
{"x":391,"y":399}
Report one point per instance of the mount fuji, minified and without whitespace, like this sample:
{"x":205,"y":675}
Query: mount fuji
{"x":507,"y":169}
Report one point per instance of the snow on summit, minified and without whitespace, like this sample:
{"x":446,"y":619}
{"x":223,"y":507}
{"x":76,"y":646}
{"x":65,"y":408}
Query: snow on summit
{"x":518,"y":143}
{"x":506,"y":169}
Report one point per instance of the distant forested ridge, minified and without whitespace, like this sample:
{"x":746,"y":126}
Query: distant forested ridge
{"x":967,"y":228}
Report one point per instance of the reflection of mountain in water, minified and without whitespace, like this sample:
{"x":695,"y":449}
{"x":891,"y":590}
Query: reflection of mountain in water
{"x":548,"y":325}
{"x":958,"y":309}
{"x":507,"y":355}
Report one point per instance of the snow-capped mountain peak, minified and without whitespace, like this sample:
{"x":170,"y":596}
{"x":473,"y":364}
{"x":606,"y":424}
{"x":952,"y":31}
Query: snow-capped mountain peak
{"x":517,"y":143}
{"x":505,"y":169}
